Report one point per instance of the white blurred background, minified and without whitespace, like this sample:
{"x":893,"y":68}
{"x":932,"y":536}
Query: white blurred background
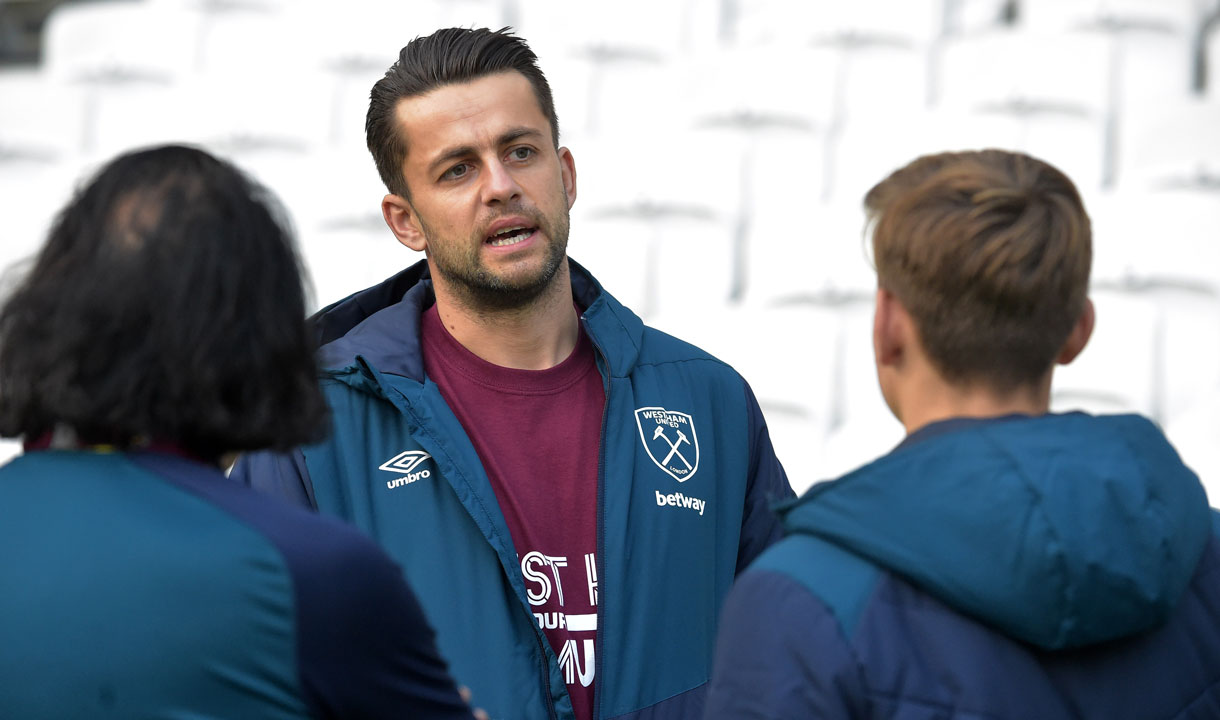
{"x":722,"y":150}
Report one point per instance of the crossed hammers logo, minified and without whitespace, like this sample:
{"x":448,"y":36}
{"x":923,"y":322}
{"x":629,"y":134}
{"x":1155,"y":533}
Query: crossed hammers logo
{"x":673,"y":446}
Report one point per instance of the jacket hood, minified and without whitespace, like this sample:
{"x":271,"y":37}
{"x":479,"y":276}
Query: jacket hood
{"x":1059,"y":530}
{"x":379,"y":327}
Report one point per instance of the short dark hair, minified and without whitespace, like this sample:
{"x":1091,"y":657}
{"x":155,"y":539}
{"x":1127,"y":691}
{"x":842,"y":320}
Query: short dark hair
{"x":446,"y":57}
{"x":990,"y":252}
{"x":167,"y":304}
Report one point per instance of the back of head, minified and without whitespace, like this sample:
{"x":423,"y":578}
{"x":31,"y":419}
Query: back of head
{"x":446,"y":57}
{"x":989,"y":252}
{"x":166,"y":304}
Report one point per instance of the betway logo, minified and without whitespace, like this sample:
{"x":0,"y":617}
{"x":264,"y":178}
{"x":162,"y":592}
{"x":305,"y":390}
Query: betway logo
{"x":403,"y":463}
{"x":680,"y":500}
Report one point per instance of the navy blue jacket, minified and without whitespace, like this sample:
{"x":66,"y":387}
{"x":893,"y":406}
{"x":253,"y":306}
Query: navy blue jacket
{"x":1056,"y":567}
{"x":146,"y":585}
{"x":673,"y":527}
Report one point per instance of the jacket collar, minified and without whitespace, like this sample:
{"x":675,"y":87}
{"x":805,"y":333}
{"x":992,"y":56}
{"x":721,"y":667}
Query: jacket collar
{"x":380,"y":326}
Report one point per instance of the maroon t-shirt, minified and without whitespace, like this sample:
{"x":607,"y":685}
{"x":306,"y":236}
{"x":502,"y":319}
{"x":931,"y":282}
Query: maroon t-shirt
{"x":537,"y":433}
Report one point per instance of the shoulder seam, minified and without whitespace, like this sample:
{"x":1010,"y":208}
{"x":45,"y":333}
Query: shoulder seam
{"x":821,"y":580}
{"x":678,"y":361}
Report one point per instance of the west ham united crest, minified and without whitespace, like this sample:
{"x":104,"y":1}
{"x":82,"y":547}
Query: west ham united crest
{"x":670,"y":439}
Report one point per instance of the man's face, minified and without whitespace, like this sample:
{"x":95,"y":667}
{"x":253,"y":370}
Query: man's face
{"x":490,"y":194}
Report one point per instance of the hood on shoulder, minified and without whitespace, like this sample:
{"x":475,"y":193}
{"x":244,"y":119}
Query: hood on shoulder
{"x":1059,"y":530}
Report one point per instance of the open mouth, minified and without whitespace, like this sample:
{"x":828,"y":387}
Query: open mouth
{"x":510,"y":236}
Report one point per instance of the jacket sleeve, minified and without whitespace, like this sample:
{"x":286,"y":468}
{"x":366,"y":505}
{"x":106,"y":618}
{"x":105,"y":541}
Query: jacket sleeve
{"x":282,"y":475}
{"x":780,"y":655}
{"x":365,"y":648}
{"x":767,"y":485}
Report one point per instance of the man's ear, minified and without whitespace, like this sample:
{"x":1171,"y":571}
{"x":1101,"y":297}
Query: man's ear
{"x":1079,"y":337}
{"x":403,"y":221}
{"x":890,"y":328}
{"x":567,"y":168}
{"x":890,"y":340}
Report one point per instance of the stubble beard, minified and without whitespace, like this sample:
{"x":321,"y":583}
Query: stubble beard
{"x":480,"y":289}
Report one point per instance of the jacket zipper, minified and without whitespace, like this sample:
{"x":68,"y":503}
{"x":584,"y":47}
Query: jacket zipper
{"x":600,"y":547}
{"x":546,"y":674}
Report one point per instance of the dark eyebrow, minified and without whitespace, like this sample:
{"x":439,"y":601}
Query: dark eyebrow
{"x":461,"y":151}
{"x":517,"y":133}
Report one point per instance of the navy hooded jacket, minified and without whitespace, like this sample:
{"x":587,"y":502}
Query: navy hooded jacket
{"x":1053,"y":567}
{"x":671,"y":538}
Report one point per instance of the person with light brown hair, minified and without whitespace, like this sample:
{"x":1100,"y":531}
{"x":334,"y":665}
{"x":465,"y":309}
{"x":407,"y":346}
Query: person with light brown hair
{"x":988,"y":255}
{"x":1003,"y":561}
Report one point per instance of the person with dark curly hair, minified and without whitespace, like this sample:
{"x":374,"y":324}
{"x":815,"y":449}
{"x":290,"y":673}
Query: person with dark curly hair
{"x":160,"y":329}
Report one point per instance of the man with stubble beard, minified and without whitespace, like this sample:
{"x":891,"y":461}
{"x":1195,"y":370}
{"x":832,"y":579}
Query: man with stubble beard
{"x":570,"y":492}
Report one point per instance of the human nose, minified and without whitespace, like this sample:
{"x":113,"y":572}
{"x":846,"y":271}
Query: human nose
{"x":499,"y":185}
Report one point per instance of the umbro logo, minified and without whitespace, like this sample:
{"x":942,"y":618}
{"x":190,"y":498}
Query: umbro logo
{"x":403,"y":464}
